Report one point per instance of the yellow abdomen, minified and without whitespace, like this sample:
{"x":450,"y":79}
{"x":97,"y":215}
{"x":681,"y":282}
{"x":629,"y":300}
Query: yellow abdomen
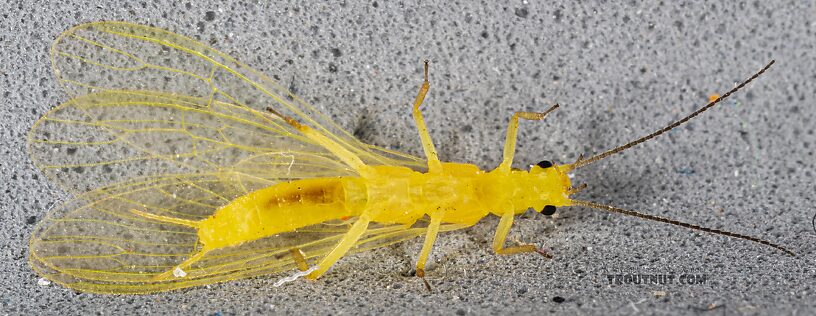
{"x":283,"y":207}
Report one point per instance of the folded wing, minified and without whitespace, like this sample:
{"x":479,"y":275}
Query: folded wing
{"x":161,"y":123}
{"x":147,"y":102}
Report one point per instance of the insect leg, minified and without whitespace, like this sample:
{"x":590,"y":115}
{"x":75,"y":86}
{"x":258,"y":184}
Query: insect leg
{"x":351,"y":237}
{"x":300,"y":259}
{"x":427,"y":144}
{"x":501,"y":235}
{"x":166,"y":219}
{"x":512,"y":130}
{"x":430,"y":237}
{"x":169,"y":274}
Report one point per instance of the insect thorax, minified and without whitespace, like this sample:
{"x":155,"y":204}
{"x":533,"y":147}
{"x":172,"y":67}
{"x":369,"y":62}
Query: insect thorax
{"x":463,"y":192}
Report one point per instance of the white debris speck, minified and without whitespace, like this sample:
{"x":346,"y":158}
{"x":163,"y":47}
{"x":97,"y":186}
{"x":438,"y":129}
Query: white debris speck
{"x":179,"y":273}
{"x":295,"y":276}
{"x":736,"y":173}
{"x":43,"y":282}
{"x":291,"y":163}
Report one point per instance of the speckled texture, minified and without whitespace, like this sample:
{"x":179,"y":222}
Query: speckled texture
{"x":619,"y":71}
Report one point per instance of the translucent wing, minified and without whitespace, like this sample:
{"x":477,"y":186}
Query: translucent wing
{"x":99,"y":139}
{"x":161,"y":123}
{"x":148,"y":102}
{"x":94,"y":244}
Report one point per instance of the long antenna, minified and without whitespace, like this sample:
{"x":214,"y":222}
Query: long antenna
{"x":583,"y":162}
{"x":613,"y":209}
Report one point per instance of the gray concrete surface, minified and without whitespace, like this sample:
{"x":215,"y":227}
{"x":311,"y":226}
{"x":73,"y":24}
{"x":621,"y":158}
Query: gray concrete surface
{"x":618,"y":70}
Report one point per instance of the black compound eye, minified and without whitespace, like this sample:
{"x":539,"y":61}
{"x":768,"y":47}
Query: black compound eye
{"x":548,"y":210}
{"x":545,"y":164}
